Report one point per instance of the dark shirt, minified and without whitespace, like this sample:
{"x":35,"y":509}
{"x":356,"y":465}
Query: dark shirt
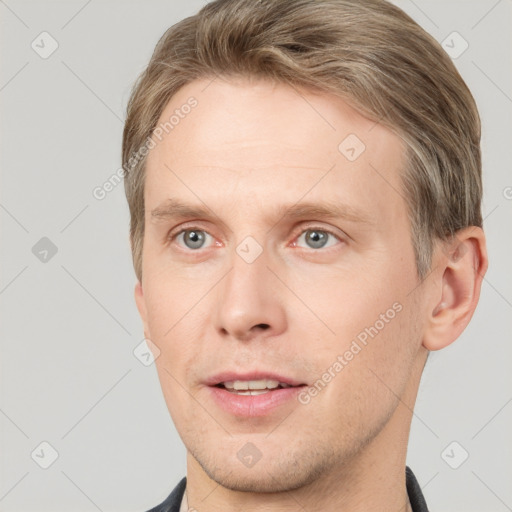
{"x":173,"y":501}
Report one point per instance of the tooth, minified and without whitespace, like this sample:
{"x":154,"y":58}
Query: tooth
{"x":262,"y":384}
{"x":251,"y":392}
{"x":242,"y":385}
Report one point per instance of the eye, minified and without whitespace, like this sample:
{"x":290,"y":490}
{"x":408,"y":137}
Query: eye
{"x":193,"y":238}
{"x":316,"y":238}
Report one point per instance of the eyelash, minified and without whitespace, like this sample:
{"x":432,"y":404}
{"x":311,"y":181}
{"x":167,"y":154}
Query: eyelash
{"x":173,"y":235}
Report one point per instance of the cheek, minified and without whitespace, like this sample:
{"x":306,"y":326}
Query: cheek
{"x":173,"y":328}
{"x":169,"y":299}
{"x":372,"y":375}
{"x":374,"y":324}
{"x":173,"y":324}
{"x":349,"y":299}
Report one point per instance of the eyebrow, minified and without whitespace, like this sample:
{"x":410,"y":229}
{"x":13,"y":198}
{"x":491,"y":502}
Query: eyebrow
{"x":175,"y":209}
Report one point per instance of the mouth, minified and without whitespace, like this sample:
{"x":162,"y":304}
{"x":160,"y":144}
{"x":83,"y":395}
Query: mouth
{"x":253,"y":395}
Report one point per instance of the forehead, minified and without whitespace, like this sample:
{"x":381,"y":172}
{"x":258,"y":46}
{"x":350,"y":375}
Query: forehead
{"x":272,"y":141}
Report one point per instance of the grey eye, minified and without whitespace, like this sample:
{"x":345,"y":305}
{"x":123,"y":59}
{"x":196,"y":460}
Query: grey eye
{"x":316,"y":239}
{"x":193,"y":239}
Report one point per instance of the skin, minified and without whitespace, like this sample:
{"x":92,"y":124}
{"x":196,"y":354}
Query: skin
{"x":249,"y":151}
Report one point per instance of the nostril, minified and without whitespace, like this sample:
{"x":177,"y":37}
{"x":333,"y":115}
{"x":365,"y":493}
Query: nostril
{"x":263,"y":326}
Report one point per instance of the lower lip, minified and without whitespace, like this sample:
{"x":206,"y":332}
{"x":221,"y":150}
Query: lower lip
{"x":253,"y":405}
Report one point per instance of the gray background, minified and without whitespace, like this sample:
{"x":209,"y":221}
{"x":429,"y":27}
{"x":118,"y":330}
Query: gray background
{"x":69,"y":324}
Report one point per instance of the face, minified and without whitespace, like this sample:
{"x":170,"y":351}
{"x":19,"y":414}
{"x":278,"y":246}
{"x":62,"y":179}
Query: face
{"x":277,"y":252}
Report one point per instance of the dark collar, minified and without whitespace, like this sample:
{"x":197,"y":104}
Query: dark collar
{"x":173,"y":501}
{"x":416,"y":498}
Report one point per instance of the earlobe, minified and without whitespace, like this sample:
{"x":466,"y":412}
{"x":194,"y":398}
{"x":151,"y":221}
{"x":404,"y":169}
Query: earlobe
{"x":463,"y":264}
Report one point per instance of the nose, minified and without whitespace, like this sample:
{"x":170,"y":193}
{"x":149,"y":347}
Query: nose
{"x":249,"y":305}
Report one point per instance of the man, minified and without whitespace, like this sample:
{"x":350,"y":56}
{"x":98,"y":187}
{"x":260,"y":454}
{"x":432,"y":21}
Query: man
{"x":304,"y":183}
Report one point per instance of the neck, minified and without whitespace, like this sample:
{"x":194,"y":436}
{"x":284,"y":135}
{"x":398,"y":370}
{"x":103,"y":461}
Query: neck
{"x":372,"y":480}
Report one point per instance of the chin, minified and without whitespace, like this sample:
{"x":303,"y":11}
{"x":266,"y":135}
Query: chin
{"x":261,"y":482}
{"x":278,"y":476}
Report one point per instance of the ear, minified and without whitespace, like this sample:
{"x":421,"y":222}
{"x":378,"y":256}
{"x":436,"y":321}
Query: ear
{"x":141,"y":306}
{"x":461,"y":266}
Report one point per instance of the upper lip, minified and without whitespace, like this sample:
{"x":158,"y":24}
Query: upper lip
{"x":228,"y":376}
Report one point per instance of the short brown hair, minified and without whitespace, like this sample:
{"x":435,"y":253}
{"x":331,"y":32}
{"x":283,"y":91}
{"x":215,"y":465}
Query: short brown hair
{"x":370,"y":53}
